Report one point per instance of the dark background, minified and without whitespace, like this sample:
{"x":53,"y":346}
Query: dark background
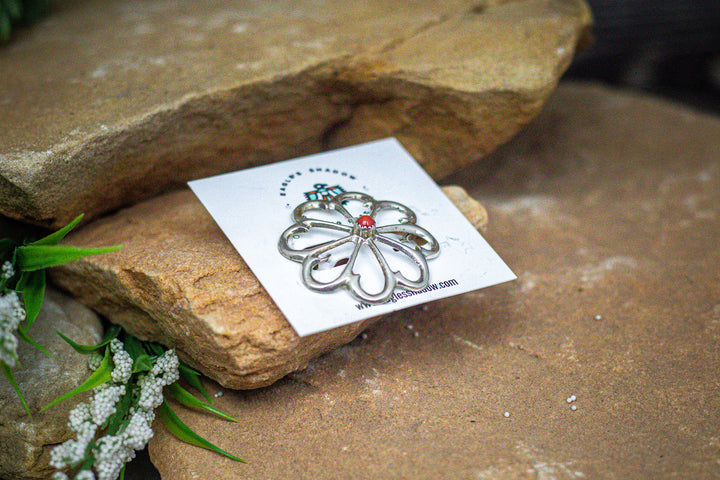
{"x":666,"y":47}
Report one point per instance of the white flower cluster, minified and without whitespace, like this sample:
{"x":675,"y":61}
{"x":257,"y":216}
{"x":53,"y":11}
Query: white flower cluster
{"x":7,"y":271}
{"x":11,"y":314}
{"x":104,"y":401}
{"x":81,"y":475}
{"x":113,"y":450}
{"x":94,"y":361}
{"x":164,"y":372}
{"x":122,"y":361}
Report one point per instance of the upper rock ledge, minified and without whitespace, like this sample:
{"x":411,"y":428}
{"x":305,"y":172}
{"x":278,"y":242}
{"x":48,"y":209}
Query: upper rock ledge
{"x":97,"y":114}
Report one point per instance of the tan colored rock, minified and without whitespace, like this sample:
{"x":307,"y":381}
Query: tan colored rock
{"x":607,"y":209}
{"x":99,"y":114}
{"x":26,"y":442}
{"x":179,"y":281}
{"x":473,"y":210}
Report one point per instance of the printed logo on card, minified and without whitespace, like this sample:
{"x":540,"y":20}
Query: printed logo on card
{"x":324,"y":192}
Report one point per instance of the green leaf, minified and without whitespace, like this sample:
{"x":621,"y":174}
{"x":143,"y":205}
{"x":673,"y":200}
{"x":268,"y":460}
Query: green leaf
{"x":5,"y":27}
{"x":193,"y":378}
{"x":155,"y":348}
{"x":188,"y":368}
{"x":5,"y":246}
{"x":187,"y":399}
{"x":122,"y":408}
{"x":14,"y":9}
{"x":134,"y":346}
{"x":11,"y":378}
{"x":142,"y":363}
{"x":122,"y":472}
{"x":36,"y":257}
{"x":33,"y":290}
{"x":98,"y":377}
{"x":186,"y":434}
{"x":110,"y":333}
{"x":23,"y":275}
{"x":13,"y":260}
{"x":54,"y":238}
{"x":26,"y":338}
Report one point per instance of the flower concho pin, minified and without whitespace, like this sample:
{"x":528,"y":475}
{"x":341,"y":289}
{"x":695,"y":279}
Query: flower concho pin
{"x":336,"y":247}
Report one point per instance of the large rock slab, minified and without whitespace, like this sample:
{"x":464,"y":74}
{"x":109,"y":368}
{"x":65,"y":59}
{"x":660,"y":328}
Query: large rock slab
{"x":26,"y":442}
{"x":607,"y":209}
{"x":97,"y":114}
{"x":179,"y":281}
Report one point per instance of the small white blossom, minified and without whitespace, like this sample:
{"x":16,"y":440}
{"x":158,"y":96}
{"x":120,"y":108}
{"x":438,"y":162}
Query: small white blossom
{"x":67,"y":453}
{"x":110,"y":456}
{"x":122,"y":361}
{"x":108,"y":447}
{"x":59,"y":476}
{"x":94,"y":361}
{"x":11,"y":314}
{"x":7,"y":271}
{"x":8,"y":348}
{"x":139,"y":429}
{"x":166,"y":368}
{"x":79,"y":416}
{"x":86,"y":434}
{"x":73,"y":450}
{"x":150,"y":392}
{"x":85,"y":475}
{"x":104,"y":401}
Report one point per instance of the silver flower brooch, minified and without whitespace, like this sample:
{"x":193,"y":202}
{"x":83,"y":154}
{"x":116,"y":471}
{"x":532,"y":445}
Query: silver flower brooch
{"x":326,"y":237}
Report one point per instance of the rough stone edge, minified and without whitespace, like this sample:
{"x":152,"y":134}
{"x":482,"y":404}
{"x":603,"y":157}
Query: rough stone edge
{"x":167,"y":126}
{"x":289,"y":352}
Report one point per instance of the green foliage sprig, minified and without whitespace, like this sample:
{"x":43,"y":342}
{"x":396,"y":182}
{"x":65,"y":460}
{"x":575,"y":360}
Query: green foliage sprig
{"x":22,"y":289}
{"x":19,"y":12}
{"x":129,"y":378}
{"x":128,"y":385}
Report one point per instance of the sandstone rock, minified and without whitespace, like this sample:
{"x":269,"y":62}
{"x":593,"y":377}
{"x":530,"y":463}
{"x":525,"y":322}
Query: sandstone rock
{"x":179,"y":281}
{"x":607,"y":209}
{"x":26,"y":442}
{"x":471,"y":208}
{"x":98,"y":114}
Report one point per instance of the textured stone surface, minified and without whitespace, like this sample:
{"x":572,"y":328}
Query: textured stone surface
{"x":607,"y":209}
{"x":179,"y":281}
{"x":96,"y":114}
{"x":471,"y":208}
{"x":25,"y":442}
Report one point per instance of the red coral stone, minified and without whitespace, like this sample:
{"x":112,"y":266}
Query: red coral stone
{"x":366,"y":221}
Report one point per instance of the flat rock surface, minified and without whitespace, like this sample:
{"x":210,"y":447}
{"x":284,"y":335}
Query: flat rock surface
{"x":179,"y":281}
{"x":26,"y":442}
{"x":105,"y":103}
{"x":607,"y":209}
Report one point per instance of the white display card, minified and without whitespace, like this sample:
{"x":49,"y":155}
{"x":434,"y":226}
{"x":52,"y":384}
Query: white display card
{"x":254,"y":207}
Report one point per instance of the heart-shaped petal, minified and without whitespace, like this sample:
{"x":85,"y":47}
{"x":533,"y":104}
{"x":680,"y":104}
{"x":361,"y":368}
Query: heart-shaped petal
{"x":355,"y":236}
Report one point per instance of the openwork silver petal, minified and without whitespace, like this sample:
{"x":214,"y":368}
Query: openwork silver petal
{"x":404,"y":238}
